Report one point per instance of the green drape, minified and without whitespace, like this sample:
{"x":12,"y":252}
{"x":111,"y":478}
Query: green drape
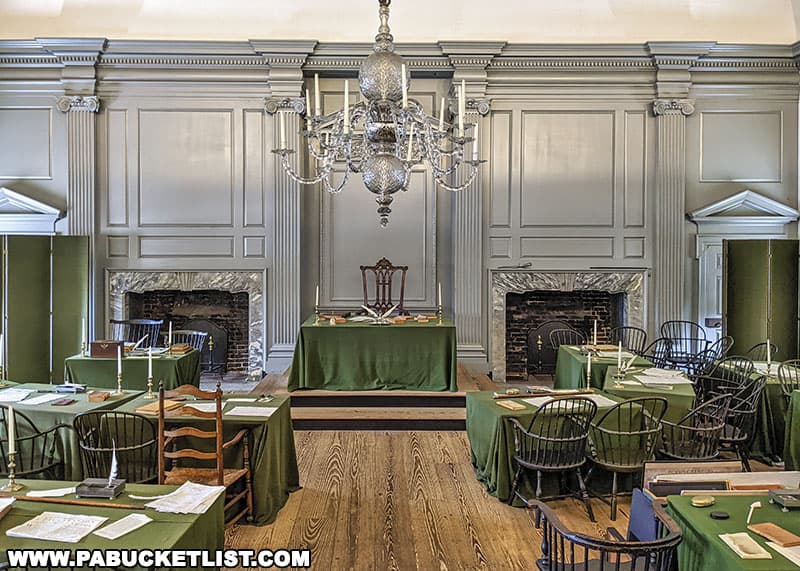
{"x":571,"y":368}
{"x":174,"y":371}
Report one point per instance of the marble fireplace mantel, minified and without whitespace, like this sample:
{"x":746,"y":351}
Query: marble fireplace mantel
{"x":629,"y":282}
{"x":120,"y":282}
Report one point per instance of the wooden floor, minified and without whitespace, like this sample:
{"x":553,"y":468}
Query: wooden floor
{"x":404,"y":500}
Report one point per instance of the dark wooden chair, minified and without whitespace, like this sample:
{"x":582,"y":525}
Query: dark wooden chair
{"x":131,"y":436}
{"x":624,"y":438}
{"x":196,"y":339}
{"x":132,"y":330}
{"x":219,"y":475}
{"x":789,"y":377}
{"x":382,"y":275}
{"x":686,"y":338}
{"x":696,"y":437}
{"x":634,"y":339}
{"x":657,"y":352}
{"x":566,"y":550}
{"x":758,"y":352}
{"x":37,"y":450}
{"x":722,"y":346}
{"x":700,"y":364}
{"x":560,"y":337}
{"x":554,"y":441}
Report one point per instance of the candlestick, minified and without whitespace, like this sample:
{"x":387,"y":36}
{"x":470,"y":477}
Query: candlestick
{"x":150,"y":394}
{"x":119,"y":359}
{"x":316,"y":95}
{"x":316,"y":306}
{"x":589,"y":371}
{"x":12,"y":432}
{"x":2,"y":362}
{"x":475,"y":145}
{"x":441,"y":116}
{"x":619,"y":356}
{"x":169,"y":337}
{"x":594,"y":336}
{"x":149,"y":361}
{"x":404,"y":85}
{"x":119,"y":390}
{"x":410,"y":140}
{"x":346,"y":107}
{"x":12,"y":485}
{"x":439,"y":294}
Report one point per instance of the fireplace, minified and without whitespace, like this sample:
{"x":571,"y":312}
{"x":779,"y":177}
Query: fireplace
{"x":630,"y":303}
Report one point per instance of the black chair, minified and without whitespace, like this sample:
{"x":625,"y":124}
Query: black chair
{"x":554,"y":441}
{"x":132,"y":330}
{"x":560,"y":337}
{"x":789,"y":377}
{"x":722,"y":346}
{"x":657,"y":352}
{"x":634,"y":339}
{"x":196,"y":339}
{"x":37,"y":451}
{"x":131,"y":436}
{"x":697,"y":435}
{"x":383,"y":277}
{"x":566,"y":550}
{"x":733,"y":368}
{"x":687,"y":339}
{"x":758,"y":352}
{"x":700,"y":364}
{"x":624,"y":438}
{"x":741,"y":418}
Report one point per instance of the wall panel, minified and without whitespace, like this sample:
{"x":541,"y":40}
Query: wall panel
{"x":117,"y":167}
{"x":26,"y":140}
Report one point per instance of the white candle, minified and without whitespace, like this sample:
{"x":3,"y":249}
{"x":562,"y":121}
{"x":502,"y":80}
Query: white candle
{"x":283,"y":129}
{"x":410,"y":140}
{"x":588,"y":369}
{"x":308,"y":107}
{"x":461,"y":108}
{"x":169,"y":338}
{"x":12,"y":432}
{"x":316,"y":95}
{"x":346,"y":107}
{"x":149,"y":362}
{"x":619,"y":356}
{"x":441,"y":116}
{"x":594,"y":336}
{"x":439,"y":295}
{"x":119,"y":359}
{"x":316,"y":298}
{"x":83,"y":331}
{"x":475,"y":145}
{"x":769,"y":352}
{"x":404,"y":85}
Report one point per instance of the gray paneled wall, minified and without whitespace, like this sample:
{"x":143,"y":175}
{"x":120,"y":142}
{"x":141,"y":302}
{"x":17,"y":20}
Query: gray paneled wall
{"x":185,"y":179}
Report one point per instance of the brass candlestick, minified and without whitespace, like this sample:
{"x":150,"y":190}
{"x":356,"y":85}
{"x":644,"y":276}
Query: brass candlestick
{"x":150,"y":394}
{"x":2,"y":376}
{"x":316,"y":315}
{"x":119,"y":390}
{"x":12,"y":485}
{"x":83,"y":348}
{"x":439,"y":313}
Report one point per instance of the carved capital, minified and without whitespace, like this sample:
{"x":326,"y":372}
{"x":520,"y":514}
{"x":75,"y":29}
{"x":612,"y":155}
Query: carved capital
{"x":673,"y":106}
{"x":68,"y":103}
{"x":482,"y":106}
{"x":274,"y":104}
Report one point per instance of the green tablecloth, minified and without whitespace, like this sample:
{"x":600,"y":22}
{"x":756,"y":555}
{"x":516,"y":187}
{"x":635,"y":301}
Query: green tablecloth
{"x":791,"y":447}
{"x":491,"y":442}
{"x":166,"y":531}
{"x":702,"y":549}
{"x":571,"y":368}
{"x":273,"y":462}
{"x":680,"y":398}
{"x":174,"y":371}
{"x":359,"y":356}
{"x":47,"y":415}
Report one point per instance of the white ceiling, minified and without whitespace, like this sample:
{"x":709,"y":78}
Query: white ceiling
{"x":583,"y":21}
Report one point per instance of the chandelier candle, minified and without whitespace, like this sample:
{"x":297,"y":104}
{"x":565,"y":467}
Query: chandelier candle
{"x":346,"y":126}
{"x":308,"y":110}
{"x":475,"y":145}
{"x":461,"y":107}
{"x":410,"y":140}
{"x":316,"y":96}
{"x":404,"y":85}
{"x":441,"y":116}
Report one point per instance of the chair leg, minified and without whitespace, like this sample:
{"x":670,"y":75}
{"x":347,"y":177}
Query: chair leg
{"x":538,"y":484}
{"x":744,"y":456}
{"x":614,"y":497}
{"x":584,"y":494}
{"x":514,"y":485}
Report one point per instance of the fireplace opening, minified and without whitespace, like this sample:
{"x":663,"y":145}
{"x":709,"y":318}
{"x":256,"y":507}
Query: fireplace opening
{"x":530,"y":316}
{"x":226,"y":315}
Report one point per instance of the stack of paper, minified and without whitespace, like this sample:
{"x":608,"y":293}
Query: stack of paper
{"x":260,"y":411}
{"x":614,"y":354}
{"x":45,"y":398}
{"x":55,"y":526}
{"x":190,"y":498}
{"x":123,"y":526}
{"x":15,"y":395}
{"x":662,"y":378}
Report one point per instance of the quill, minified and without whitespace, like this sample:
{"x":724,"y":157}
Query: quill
{"x":368,"y":310}
{"x":388,"y":313}
{"x":139,"y":342}
{"x":112,"y":474}
{"x":627,"y":365}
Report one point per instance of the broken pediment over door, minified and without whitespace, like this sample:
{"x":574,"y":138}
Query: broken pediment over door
{"x":20,"y":214}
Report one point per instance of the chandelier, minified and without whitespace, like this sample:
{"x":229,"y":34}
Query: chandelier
{"x":385,"y":134}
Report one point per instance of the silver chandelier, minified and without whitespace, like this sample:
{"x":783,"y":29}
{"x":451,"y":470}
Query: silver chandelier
{"x":386,"y":133}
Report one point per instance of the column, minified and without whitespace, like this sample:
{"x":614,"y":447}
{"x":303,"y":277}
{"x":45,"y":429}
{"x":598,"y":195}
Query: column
{"x":670,"y":228}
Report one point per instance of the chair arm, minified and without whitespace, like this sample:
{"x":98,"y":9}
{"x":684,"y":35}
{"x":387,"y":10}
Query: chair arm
{"x":236,"y":439}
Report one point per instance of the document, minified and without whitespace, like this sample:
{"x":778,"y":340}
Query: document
{"x":241,"y":399}
{"x":203,"y":406}
{"x":55,"y":493}
{"x":790,"y":553}
{"x":123,"y":526}
{"x":251,"y":411}
{"x":537,"y":401}
{"x":190,"y":498}
{"x":655,"y":380}
{"x":55,"y":526}
{"x":15,"y":395}
{"x":600,"y":400}
{"x":41,"y":399}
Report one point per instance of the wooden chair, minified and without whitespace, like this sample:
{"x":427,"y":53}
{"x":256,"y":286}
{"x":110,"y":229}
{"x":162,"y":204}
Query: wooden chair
{"x":196,"y":339}
{"x":560,"y":337}
{"x":219,"y":475}
{"x":740,"y":421}
{"x":566,"y":550}
{"x":132,"y":437}
{"x":131,"y":330}
{"x":383,"y":272}
{"x":686,"y":338}
{"x":758,"y":352}
{"x":696,"y":436}
{"x":37,"y":450}
{"x":624,"y":438}
{"x":722,"y":346}
{"x":634,"y":339}
{"x":658,"y":352}
{"x":554,"y":441}
{"x":700,"y":364}
{"x":789,"y":378}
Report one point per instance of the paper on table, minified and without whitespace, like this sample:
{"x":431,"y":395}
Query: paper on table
{"x":600,"y":400}
{"x":15,"y":395}
{"x":614,"y":354}
{"x":241,"y":399}
{"x":656,"y":380}
{"x":790,"y":553}
{"x":203,"y":406}
{"x":55,"y":526}
{"x":55,"y":493}
{"x":251,"y":411}
{"x":41,"y":399}
{"x":537,"y":401}
{"x":655,"y":372}
{"x":189,"y":498}
{"x":631,"y":382}
{"x":123,"y":526}
{"x":745,"y":546}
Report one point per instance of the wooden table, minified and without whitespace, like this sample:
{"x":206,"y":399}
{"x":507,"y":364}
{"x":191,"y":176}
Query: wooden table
{"x":703,"y":550}
{"x":47,"y":415}
{"x":571,"y":368}
{"x":361,"y":356}
{"x":273,"y":461}
{"x":166,"y":531}
{"x":173,"y":370}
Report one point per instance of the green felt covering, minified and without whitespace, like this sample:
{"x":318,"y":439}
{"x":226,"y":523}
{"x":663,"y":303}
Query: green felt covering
{"x":174,"y":371}
{"x":679,"y":400}
{"x":273,"y":461}
{"x":491,"y":441}
{"x":791,"y":447}
{"x":166,"y":531}
{"x":359,"y":356}
{"x":703,"y":550}
{"x":571,"y":368}
{"x":46,"y":415}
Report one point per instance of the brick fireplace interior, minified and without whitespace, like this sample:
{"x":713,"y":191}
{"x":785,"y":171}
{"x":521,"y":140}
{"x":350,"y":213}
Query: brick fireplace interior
{"x":225,"y":309}
{"x":525,"y":312}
